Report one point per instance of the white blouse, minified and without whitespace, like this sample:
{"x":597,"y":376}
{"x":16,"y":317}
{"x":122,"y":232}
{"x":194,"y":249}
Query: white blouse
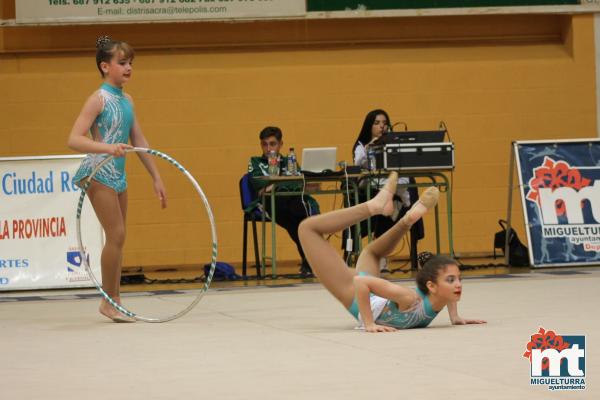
{"x":360,"y":158}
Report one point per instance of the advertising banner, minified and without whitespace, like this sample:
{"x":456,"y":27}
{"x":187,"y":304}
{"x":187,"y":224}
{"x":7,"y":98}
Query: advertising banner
{"x":64,"y":11}
{"x":38,"y":236}
{"x":560,"y":190}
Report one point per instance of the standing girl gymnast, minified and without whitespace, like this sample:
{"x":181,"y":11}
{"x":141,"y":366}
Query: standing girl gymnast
{"x":379,"y":304}
{"x":109,"y":116}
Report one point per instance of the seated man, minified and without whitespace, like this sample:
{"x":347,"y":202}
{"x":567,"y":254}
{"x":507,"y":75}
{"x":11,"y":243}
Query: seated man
{"x":290,"y":210}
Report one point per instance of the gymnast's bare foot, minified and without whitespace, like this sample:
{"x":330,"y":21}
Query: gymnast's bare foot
{"x":383,"y":202}
{"x":426,"y":202}
{"x":110,"y":312}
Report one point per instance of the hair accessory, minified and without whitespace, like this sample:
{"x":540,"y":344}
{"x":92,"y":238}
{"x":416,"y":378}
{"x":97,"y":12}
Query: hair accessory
{"x":423,"y":257}
{"x":103,"y":41}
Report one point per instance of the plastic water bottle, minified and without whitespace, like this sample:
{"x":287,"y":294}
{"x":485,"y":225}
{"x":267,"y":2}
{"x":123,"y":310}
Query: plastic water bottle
{"x":292,"y":165}
{"x":371,"y":163}
{"x":273,"y":160}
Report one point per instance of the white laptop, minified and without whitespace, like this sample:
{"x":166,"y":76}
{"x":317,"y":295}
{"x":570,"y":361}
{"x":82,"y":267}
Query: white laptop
{"x":319,"y":159}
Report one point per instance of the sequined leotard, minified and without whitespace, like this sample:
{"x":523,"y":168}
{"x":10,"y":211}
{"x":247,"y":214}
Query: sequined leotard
{"x":114,"y":125}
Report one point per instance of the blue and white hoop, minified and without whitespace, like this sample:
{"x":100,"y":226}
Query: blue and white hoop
{"x":213,"y":230}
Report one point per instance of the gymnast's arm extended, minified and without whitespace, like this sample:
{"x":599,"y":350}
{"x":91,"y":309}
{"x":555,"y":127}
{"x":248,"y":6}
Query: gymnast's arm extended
{"x":456,"y":319}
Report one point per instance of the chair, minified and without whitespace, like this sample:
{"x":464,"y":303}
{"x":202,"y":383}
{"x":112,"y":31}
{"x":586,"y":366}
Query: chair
{"x":252,"y":213}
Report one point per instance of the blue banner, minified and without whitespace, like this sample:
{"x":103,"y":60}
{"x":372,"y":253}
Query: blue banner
{"x":560,"y":189}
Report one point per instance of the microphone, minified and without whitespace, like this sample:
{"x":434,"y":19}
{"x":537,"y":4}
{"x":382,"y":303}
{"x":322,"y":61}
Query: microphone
{"x":399,"y":123}
{"x":443,"y":126}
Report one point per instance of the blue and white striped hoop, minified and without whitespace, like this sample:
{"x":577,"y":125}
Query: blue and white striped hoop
{"x":213,"y":230}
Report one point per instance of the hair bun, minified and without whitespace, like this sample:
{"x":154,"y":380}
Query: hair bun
{"x":423,"y":257}
{"x":103,"y":41}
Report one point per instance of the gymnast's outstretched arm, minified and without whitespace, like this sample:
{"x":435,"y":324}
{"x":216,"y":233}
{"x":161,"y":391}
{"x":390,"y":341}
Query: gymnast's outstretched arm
{"x":456,"y":319}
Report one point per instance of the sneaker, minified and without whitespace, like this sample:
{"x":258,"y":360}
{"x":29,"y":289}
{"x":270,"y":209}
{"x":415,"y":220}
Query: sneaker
{"x":306,"y":274}
{"x":397,"y":208}
{"x":383,"y":265}
{"x":306,"y":270}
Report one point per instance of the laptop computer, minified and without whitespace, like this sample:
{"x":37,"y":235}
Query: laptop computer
{"x":412,"y":137}
{"x":319,"y":159}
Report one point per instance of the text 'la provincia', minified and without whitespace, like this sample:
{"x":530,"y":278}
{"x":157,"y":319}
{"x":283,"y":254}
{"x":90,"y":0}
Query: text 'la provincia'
{"x":32,"y":228}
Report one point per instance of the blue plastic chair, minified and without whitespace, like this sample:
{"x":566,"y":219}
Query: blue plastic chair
{"x":252,"y":213}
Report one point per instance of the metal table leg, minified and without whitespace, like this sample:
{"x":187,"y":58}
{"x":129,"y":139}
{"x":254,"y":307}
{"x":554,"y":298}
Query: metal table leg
{"x":273,"y":235}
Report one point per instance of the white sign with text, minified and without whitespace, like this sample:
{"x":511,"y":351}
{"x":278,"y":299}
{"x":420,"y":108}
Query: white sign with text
{"x":38,"y":235}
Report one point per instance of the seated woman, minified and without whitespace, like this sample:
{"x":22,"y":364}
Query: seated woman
{"x":376,"y":123}
{"x":382,"y":306}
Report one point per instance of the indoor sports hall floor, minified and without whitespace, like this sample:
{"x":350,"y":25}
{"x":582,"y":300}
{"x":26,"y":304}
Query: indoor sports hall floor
{"x":293,"y":341}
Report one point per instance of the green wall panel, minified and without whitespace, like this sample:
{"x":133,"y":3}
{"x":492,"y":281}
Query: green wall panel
{"x":337,"y":5}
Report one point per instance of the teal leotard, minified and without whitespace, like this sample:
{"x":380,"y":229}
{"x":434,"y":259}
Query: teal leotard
{"x":419,"y":316}
{"x":114,"y":125}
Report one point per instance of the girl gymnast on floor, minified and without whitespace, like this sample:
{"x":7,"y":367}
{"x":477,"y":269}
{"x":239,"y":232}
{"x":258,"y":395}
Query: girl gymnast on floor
{"x":380,"y":305}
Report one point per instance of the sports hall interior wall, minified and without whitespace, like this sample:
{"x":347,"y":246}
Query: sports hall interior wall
{"x":203,"y":91}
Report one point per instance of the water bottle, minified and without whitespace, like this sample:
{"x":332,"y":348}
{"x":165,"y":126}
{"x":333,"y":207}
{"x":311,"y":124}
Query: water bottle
{"x":292,"y":165}
{"x":371,"y":163}
{"x":273,"y":163}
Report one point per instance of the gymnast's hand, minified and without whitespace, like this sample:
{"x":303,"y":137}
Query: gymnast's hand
{"x":465,"y":321}
{"x":160,"y":191}
{"x":118,"y":149}
{"x":374,"y":328}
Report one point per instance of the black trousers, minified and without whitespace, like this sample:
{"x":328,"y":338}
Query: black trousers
{"x":380,"y":224}
{"x":289,"y":212}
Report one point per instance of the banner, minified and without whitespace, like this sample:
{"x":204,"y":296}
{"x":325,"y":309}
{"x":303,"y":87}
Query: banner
{"x":38,"y":236}
{"x":60,"y":11}
{"x":560,"y":190}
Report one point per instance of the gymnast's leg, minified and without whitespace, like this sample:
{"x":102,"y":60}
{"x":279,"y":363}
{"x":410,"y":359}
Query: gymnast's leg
{"x":326,"y":263}
{"x":383,"y":246}
{"x":123,"y":206}
{"x":107,"y":205}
